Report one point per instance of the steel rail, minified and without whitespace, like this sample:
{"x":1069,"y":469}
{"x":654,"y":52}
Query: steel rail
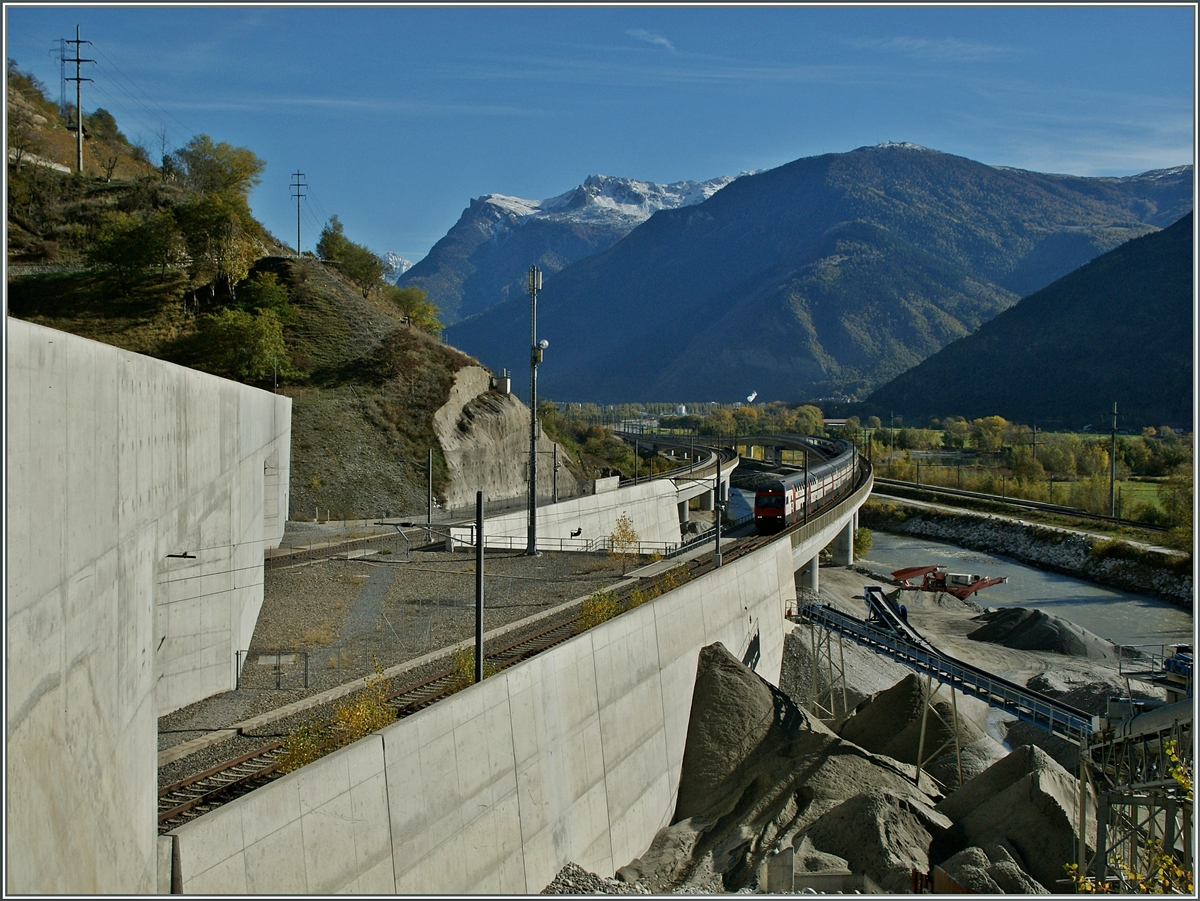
{"x":194,"y":795}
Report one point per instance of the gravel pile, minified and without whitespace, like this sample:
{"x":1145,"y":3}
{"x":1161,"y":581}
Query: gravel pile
{"x":575,"y":880}
{"x":1035,"y":630}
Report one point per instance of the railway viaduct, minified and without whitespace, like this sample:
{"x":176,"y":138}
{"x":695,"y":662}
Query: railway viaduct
{"x":140,"y":501}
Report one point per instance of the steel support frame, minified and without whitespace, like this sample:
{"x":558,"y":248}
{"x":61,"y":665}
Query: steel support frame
{"x":927,"y":706}
{"x":821,"y":642}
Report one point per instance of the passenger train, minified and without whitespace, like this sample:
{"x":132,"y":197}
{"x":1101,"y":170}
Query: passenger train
{"x":794,"y":495}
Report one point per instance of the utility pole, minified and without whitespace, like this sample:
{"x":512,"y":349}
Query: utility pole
{"x":297,"y":185}
{"x":1112,"y":468}
{"x":535,"y":357}
{"x":78,"y":97}
{"x":717,"y":512}
{"x":478,"y":586}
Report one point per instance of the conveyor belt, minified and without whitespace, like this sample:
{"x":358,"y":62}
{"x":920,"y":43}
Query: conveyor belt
{"x":917,"y":654}
{"x":880,"y":610}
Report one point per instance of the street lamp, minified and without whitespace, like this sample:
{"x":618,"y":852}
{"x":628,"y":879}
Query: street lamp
{"x":535,"y":357}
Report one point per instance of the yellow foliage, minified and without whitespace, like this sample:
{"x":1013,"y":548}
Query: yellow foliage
{"x":353,"y":718}
{"x":624,"y":542}
{"x":464,"y":668}
{"x":598,"y":608}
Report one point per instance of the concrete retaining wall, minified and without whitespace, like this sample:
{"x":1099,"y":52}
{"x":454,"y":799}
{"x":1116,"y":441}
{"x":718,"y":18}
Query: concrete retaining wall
{"x":651,"y":508}
{"x":572,"y":756}
{"x":116,"y":463}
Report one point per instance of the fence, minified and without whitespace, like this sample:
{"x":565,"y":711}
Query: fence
{"x":281,"y":669}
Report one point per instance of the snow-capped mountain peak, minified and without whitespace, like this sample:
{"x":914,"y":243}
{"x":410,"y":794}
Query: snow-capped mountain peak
{"x":396,"y":265}
{"x":604,"y":199}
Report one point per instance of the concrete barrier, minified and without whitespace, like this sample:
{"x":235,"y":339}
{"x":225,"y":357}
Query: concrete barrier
{"x":650,"y":506}
{"x":140,"y":498}
{"x":571,"y":756}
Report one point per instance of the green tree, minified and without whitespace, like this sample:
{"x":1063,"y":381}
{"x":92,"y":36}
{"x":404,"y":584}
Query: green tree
{"x":245,"y":346}
{"x":414,"y":303}
{"x":264,"y":292}
{"x":101,"y":126}
{"x":360,"y":265}
{"x":218,"y":168}
{"x":121,"y":247}
{"x":164,"y":243}
{"x":332,"y":242}
{"x":221,"y":240}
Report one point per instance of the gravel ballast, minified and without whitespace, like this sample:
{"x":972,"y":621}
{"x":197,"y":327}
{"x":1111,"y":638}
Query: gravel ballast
{"x":364,"y":599}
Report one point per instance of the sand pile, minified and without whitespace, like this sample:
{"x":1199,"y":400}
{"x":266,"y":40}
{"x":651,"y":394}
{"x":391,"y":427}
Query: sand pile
{"x":757,"y":770}
{"x":990,"y":870}
{"x":889,"y":722}
{"x":1034,"y":630}
{"x":1028,"y":805}
{"x":879,"y":834}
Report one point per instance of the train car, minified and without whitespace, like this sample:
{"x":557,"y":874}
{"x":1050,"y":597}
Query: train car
{"x":796,"y":495}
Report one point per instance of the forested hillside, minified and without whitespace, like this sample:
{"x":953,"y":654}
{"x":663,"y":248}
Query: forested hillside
{"x":168,"y":260}
{"x":1118,"y":330}
{"x":824,"y":277}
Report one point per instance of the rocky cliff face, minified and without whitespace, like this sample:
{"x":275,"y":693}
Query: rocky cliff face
{"x":485,"y":441}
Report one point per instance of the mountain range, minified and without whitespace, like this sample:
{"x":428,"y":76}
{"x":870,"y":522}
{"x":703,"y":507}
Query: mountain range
{"x":484,"y":258}
{"x":829,"y":275}
{"x":1117,"y":330}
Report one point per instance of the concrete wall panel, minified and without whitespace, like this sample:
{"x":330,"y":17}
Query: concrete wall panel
{"x":103,"y":486}
{"x":573,"y":755}
{"x":651,"y":507}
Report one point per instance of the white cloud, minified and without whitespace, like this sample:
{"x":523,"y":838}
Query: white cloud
{"x":938,"y":49}
{"x":642,"y":35}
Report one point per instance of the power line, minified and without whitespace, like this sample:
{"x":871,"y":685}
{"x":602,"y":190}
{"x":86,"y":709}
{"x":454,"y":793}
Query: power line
{"x":135,"y":84}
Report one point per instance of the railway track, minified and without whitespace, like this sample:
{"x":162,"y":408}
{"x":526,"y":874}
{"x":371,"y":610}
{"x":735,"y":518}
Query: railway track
{"x":198,"y":794}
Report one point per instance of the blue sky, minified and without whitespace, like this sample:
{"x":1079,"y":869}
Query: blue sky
{"x":398,"y":116}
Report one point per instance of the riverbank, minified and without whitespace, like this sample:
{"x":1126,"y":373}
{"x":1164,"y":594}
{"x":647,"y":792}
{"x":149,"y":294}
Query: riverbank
{"x":1156,"y":572}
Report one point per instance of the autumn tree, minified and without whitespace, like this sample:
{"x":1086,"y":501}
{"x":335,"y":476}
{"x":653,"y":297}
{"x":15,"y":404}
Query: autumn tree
{"x":221,"y":240}
{"x":360,"y":265}
{"x":414,"y":304}
{"x":218,"y":168}
{"x":623,"y":542}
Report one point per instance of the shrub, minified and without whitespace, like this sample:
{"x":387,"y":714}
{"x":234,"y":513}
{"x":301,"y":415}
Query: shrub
{"x":464,"y":668}
{"x":353,"y":718}
{"x":863,"y":539}
{"x":599,"y":608}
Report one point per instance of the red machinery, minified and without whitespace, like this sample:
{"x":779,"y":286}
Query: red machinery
{"x":935,"y":578}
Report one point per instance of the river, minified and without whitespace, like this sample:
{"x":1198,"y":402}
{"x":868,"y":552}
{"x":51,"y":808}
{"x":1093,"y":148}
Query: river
{"x":1119,"y":616}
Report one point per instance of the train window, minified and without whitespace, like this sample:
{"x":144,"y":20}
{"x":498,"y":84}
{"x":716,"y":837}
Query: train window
{"x":770,"y":500}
